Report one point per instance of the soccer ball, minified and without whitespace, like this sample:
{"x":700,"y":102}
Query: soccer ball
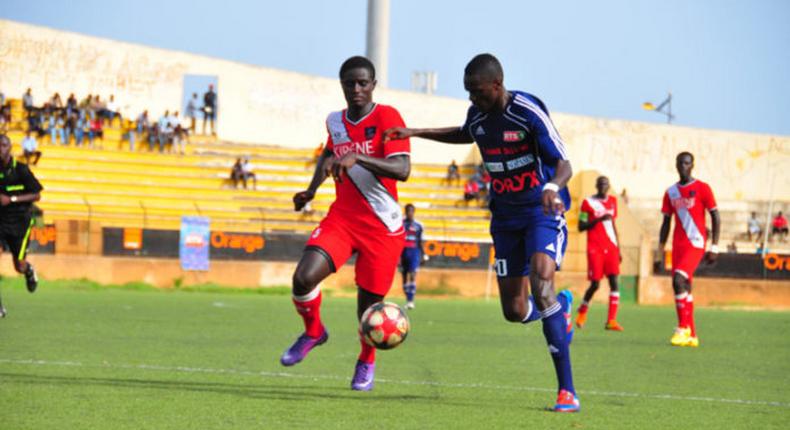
{"x":384,"y":325}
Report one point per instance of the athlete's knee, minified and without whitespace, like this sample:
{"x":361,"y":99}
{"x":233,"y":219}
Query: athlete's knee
{"x":613,"y":285}
{"x":594,"y":286}
{"x":513,"y":312}
{"x":302,"y":282}
{"x":679,"y":284}
{"x":543,"y":292}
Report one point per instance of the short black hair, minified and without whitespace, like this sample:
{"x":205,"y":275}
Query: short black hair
{"x":683,"y":154}
{"x":485,"y":66}
{"x":357,"y":62}
{"x":600,"y":178}
{"x":409,"y":205}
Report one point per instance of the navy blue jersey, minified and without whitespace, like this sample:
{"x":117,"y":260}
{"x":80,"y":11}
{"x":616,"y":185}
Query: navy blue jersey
{"x":520,"y":149}
{"x":413,"y":234}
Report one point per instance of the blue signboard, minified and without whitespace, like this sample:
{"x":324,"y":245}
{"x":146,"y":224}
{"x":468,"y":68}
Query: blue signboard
{"x":193,"y":248}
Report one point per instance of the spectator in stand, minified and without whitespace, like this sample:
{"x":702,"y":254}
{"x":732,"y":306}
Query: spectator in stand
{"x":70,"y":124}
{"x":2,"y":99}
{"x":128,"y":134}
{"x":471,"y":191}
{"x":753,"y":228}
{"x":112,"y":111}
{"x":624,"y":196}
{"x":96,"y":131}
{"x":55,"y":103}
{"x":236,"y":173}
{"x":30,"y":148}
{"x":165,"y":131}
{"x":453,"y":174}
{"x":192,"y":108}
{"x":247,"y":173}
{"x":27,"y":101}
{"x":97,"y":107}
{"x":57,"y":129}
{"x":80,"y":126}
{"x":142,"y":124}
{"x":153,"y":135}
{"x":179,"y":134}
{"x":732,"y":248}
{"x":209,"y":108}
{"x":71,"y":105}
{"x":34,"y":122}
{"x":779,"y":226}
{"x":86,"y":102}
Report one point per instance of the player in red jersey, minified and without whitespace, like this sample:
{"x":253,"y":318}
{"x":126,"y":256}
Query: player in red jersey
{"x":597,"y":216}
{"x":687,"y":200}
{"x":365,"y":218}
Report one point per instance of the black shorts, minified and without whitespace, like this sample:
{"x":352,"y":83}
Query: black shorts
{"x":14,"y":236}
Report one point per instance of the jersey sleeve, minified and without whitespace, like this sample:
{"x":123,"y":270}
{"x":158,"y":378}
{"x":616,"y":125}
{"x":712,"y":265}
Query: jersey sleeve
{"x":709,"y":200}
{"x":666,"y":205}
{"x":391,"y":118}
{"x":585,"y":211}
{"x":29,"y":181}
{"x":552,"y":149}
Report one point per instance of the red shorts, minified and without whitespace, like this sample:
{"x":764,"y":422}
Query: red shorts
{"x":685,"y":260}
{"x":602,"y":262}
{"x":378,"y":252}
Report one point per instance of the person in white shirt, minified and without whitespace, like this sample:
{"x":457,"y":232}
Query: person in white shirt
{"x":30,"y":148}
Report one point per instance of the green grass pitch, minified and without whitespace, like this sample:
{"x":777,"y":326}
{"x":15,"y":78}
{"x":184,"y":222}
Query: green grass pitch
{"x":73,"y":356}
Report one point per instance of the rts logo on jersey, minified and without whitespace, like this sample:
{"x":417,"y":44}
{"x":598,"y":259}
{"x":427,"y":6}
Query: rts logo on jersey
{"x":513,"y":136}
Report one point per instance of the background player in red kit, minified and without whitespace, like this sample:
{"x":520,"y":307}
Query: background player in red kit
{"x":687,"y":200}
{"x":365,"y":218}
{"x":597,"y":216}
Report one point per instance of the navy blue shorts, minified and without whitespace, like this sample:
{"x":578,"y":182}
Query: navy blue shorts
{"x":515,"y":240}
{"x":410,"y":260}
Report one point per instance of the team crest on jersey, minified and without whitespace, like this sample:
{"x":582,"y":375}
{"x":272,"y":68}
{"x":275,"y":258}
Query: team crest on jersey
{"x":370,"y":132}
{"x":513,"y":136}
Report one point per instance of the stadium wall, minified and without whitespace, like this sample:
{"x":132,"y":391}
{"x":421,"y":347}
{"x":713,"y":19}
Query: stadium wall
{"x":264,"y":105}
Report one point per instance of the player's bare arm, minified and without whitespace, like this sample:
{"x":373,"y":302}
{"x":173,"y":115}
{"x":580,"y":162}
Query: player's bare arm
{"x":550,"y":198}
{"x":22,"y":198}
{"x":397,"y":167}
{"x":663,"y":235}
{"x":301,"y":198}
{"x":713,"y":254}
{"x":453,"y":135}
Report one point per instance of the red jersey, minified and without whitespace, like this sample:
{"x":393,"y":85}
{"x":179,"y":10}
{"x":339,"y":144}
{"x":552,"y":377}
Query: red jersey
{"x":688,"y":203}
{"x":602,"y":234}
{"x":362,"y":196}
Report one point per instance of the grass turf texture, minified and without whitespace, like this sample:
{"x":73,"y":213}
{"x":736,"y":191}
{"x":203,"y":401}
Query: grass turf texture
{"x":76,"y":356}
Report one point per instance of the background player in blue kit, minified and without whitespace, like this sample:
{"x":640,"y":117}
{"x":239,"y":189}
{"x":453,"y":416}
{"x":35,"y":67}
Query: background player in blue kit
{"x":529,"y":172}
{"x":412,"y":255}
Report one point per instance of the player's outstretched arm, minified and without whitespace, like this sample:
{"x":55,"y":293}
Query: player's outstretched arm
{"x":715,"y":221}
{"x":301,"y":198}
{"x":552,"y":204}
{"x":5,"y":200}
{"x":454,"y":135}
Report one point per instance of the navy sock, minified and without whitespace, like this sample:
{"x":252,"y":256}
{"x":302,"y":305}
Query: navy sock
{"x":533,"y":314}
{"x":554,"y":329}
{"x":410,"y":290}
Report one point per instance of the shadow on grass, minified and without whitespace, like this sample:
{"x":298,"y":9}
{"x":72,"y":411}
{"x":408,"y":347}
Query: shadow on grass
{"x":257,"y":391}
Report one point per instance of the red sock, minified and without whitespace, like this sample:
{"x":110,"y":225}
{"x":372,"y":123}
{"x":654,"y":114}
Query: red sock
{"x":309,"y":307}
{"x":368,"y":353}
{"x":690,"y":313}
{"x":680,"y":306}
{"x":583,"y":308}
{"x":614,"y":303}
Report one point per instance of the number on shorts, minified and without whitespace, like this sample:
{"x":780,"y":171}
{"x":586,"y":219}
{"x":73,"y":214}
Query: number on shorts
{"x":500,"y":265}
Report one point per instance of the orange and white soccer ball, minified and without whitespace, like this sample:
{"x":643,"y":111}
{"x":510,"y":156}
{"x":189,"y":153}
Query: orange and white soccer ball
{"x":384,"y":325}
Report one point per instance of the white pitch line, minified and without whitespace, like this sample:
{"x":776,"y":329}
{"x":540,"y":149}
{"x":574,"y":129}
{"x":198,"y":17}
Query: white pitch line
{"x":186,"y":369}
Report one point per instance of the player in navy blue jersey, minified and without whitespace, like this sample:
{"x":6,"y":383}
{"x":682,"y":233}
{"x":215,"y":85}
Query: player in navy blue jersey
{"x":411,"y":257}
{"x":529,"y":171}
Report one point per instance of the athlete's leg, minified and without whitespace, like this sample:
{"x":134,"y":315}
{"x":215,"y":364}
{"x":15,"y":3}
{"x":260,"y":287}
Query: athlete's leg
{"x":542,"y":268}
{"x":614,"y":304}
{"x":517,"y":304}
